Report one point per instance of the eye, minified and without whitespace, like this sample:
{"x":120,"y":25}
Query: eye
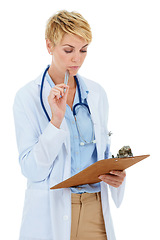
{"x":83,"y":51}
{"x":68,"y":51}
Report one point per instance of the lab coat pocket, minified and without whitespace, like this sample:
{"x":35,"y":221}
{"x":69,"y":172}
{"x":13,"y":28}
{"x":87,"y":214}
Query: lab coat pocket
{"x":36,"y":221}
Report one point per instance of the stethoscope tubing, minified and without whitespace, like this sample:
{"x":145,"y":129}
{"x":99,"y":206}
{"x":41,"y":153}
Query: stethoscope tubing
{"x":41,"y":93}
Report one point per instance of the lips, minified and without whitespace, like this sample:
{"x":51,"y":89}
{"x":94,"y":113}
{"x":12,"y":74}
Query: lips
{"x":74,"y":67}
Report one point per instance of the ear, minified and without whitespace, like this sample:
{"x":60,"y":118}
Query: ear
{"x":49,"y":46}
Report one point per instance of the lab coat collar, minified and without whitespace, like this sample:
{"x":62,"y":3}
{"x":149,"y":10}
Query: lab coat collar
{"x":83,"y":88}
{"x":38,"y":80}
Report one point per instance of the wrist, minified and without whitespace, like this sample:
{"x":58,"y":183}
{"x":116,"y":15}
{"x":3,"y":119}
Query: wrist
{"x":56,"y":122}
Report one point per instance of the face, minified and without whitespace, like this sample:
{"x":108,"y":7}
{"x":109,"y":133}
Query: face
{"x":69,"y":54}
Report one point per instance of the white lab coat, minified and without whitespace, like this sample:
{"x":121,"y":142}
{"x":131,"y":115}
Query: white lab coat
{"x":45,"y":160}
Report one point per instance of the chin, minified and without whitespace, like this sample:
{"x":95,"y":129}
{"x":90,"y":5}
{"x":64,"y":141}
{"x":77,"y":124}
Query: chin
{"x":73,"y":72}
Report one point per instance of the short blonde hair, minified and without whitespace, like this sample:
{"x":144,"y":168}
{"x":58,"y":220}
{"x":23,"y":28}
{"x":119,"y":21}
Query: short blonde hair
{"x":67,"y":22}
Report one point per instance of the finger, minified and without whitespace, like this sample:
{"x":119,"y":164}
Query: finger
{"x":111,"y":180}
{"x":108,"y":177}
{"x":120,"y":174}
{"x":113,"y":183}
{"x":66,"y":92}
{"x":58,"y":89}
{"x":55,"y":93}
{"x":62,"y":86}
{"x":117,"y":173}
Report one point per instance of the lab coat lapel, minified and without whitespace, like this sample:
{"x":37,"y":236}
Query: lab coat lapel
{"x":93,"y":105}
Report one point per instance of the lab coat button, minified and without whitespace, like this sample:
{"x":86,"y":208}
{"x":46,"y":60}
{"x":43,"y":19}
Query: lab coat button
{"x":65,"y":217}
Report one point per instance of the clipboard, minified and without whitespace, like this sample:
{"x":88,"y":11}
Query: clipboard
{"x":90,"y":174}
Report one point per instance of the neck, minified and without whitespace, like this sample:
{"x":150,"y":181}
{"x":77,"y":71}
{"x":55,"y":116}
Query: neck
{"x":58,"y":77}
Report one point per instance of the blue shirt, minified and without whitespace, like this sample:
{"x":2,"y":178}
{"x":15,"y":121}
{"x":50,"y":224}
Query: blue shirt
{"x":81,"y":156}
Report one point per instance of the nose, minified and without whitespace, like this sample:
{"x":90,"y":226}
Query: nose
{"x":76,"y":57}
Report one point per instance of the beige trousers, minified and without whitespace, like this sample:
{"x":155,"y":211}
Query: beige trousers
{"x":87,"y":217}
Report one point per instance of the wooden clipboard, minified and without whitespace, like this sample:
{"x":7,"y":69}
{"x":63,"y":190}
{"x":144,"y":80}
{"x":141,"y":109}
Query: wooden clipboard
{"x":90,"y":174}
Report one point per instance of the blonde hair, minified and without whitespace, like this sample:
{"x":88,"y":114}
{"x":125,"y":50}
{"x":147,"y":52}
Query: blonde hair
{"x":67,"y":22}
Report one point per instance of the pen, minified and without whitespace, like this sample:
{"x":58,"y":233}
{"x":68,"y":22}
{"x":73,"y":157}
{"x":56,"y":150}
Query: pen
{"x":66,"y":79}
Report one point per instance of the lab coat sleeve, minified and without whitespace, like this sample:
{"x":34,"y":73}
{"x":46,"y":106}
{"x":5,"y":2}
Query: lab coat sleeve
{"x":37,"y":151}
{"x":116,"y":193}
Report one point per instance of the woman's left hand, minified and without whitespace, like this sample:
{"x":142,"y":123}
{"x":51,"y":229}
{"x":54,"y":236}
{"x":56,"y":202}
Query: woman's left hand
{"x":114,"y":178}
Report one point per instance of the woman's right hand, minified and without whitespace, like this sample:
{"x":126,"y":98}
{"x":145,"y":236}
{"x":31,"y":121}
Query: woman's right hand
{"x":57,"y":100}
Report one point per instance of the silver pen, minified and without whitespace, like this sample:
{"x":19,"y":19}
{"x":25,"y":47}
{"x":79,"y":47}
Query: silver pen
{"x":66,"y":79}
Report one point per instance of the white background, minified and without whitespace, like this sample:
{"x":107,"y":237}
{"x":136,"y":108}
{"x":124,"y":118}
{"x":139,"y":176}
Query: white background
{"x":124,"y":58}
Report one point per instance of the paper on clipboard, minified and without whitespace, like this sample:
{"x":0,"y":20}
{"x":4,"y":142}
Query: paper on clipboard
{"x":90,"y":174}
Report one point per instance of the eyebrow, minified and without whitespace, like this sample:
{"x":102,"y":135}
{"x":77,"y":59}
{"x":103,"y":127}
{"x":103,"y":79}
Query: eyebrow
{"x":73,"y":46}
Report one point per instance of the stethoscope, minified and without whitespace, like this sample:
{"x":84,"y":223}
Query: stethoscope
{"x":83,"y":142}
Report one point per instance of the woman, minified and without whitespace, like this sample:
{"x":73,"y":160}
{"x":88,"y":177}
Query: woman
{"x":53,"y":148}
